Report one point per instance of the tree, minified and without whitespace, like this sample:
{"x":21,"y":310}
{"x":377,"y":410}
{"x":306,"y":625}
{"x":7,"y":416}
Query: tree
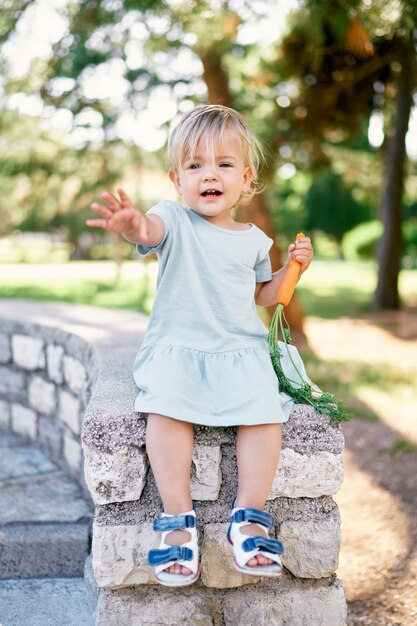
{"x":341,"y":76}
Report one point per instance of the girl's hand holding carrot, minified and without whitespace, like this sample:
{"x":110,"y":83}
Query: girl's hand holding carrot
{"x":120,"y":216}
{"x":301,"y":251}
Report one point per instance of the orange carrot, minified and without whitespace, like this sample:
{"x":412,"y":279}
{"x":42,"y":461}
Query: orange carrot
{"x":290,"y":279}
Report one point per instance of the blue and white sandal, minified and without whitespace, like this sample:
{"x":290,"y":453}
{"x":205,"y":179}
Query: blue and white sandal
{"x":185,"y":554}
{"x":245,"y":547}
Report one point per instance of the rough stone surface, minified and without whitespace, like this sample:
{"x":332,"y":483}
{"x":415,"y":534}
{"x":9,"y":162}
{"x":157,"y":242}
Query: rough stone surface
{"x":54,"y":362}
{"x":217,"y":561}
{"x":42,"y":497}
{"x":12,"y":384}
{"x":283,"y":602}
{"x":300,"y":605}
{"x":206,"y":477}
{"x":23,"y":421}
{"x":155,"y":609}
{"x":5,"y":418}
{"x":108,"y":433}
{"x":5,"y":351}
{"x":43,"y":550}
{"x":50,"y":437}
{"x":115,"y":477}
{"x":45,"y":602}
{"x":72,"y":453}
{"x":120,"y":555}
{"x":69,"y":411}
{"x":308,"y":432}
{"x":74,"y":374}
{"x":28,"y":352}
{"x":311,"y":547}
{"x":42,"y":395}
{"x":311,"y":476}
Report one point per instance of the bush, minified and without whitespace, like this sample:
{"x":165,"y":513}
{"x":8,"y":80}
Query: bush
{"x":360,"y":242}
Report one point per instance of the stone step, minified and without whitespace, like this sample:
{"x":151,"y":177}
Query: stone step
{"x":45,"y":519}
{"x":45,"y":602}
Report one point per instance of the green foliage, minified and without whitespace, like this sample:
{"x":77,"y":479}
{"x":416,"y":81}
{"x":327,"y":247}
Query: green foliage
{"x":331,"y":206}
{"x":401,"y":446}
{"x":360,"y":242}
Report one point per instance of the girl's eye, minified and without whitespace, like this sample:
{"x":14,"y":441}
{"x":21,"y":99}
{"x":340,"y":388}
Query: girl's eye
{"x":193,"y":166}
{"x":225,"y":165}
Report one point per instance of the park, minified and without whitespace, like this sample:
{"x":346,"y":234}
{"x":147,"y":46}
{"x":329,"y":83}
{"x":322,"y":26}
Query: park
{"x":90,"y":92}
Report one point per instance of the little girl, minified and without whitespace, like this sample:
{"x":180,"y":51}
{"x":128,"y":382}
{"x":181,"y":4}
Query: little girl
{"x":205,"y":357}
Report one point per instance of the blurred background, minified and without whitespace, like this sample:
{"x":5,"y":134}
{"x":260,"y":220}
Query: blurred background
{"x":88,"y":93}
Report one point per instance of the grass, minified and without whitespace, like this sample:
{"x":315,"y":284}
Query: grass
{"x":330,"y":289}
{"x":95,"y":283}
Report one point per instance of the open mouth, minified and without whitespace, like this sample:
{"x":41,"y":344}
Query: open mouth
{"x":211,"y":192}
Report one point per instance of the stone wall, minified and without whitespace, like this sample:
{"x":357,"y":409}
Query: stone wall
{"x":48,"y":376}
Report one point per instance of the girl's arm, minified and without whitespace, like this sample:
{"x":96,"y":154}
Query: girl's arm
{"x":302,"y":252}
{"x":120,"y":216}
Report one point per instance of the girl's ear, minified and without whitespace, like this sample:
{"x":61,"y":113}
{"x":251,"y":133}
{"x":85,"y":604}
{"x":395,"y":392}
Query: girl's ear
{"x":247,"y":179}
{"x":173,"y":174}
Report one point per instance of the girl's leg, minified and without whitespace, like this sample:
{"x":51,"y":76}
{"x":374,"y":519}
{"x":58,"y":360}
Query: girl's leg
{"x":257,"y":450}
{"x":169,"y":445}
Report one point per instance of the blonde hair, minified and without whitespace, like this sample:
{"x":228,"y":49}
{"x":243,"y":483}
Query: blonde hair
{"x":212,"y":120}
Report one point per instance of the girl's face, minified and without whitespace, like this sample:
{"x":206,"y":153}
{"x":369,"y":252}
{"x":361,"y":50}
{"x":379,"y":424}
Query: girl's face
{"x":215,"y":178}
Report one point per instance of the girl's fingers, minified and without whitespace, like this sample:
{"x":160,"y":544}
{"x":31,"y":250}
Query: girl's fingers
{"x":112,"y":202}
{"x":103,"y":210}
{"x":125,"y":201}
{"x":97,"y":223}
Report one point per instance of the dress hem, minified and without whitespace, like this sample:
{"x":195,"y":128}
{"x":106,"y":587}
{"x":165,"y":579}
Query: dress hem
{"x":207,"y":420}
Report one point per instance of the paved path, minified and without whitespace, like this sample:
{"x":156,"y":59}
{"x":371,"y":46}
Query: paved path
{"x":44,"y":531}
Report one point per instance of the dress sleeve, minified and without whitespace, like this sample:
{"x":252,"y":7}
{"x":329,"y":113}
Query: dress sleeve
{"x":263,"y":270}
{"x":166,"y":210}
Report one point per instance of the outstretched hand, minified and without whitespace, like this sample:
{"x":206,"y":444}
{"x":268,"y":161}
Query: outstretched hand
{"x":302,"y":252}
{"x":119,"y":216}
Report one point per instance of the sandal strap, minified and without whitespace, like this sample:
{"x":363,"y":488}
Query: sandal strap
{"x":175,"y":553}
{"x":263,"y":543}
{"x":174,"y":522}
{"x":253,"y":516}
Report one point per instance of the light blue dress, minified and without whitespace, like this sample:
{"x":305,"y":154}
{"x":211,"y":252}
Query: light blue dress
{"x":205,"y":356}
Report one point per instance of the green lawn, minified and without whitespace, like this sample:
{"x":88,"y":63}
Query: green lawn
{"x":328,"y":289}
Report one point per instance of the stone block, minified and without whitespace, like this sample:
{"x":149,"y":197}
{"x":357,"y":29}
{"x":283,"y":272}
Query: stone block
{"x":115,"y":476}
{"x":69,"y":411}
{"x":42,"y":395}
{"x":72,"y":453}
{"x":287,"y":604}
{"x":206,"y":475}
{"x":24,"y":421}
{"x":43,"y":550}
{"x":4,"y":415}
{"x":74,"y":374}
{"x":50,"y":437}
{"x":311,"y":547}
{"x":217,"y":560}
{"x":54,"y":363}
{"x":283,"y":602}
{"x":304,"y":475}
{"x":12,"y":384}
{"x":120,"y":555}
{"x":157,"y":607}
{"x":28,"y":352}
{"x":5,"y":350}
{"x":308,"y":432}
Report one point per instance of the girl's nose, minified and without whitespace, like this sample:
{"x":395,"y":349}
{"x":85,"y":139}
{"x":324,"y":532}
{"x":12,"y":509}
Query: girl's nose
{"x":209,"y":176}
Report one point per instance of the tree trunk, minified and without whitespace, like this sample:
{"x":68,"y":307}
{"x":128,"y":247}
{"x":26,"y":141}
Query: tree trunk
{"x":390,"y":247}
{"x":257,"y":211}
